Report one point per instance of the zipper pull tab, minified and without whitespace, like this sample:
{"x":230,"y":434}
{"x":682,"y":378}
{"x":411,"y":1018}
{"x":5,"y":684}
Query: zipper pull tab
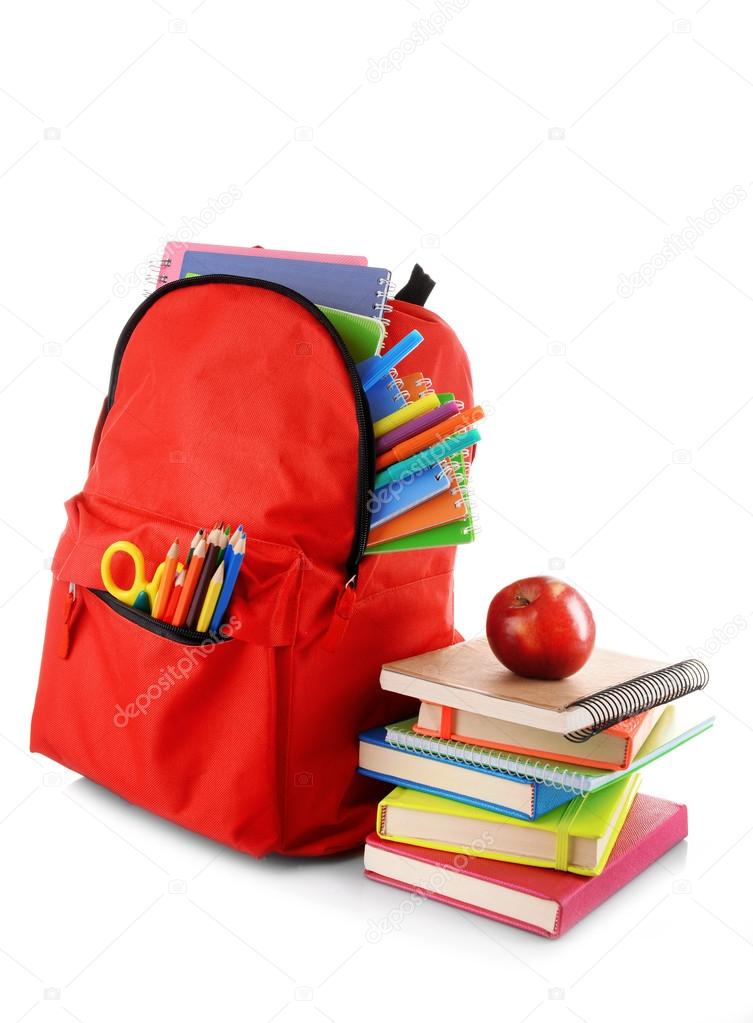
{"x":338,"y":625}
{"x":68,"y":607}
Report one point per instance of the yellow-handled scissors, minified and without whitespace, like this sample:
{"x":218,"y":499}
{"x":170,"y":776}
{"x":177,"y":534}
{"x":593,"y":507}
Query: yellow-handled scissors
{"x":140,"y":582}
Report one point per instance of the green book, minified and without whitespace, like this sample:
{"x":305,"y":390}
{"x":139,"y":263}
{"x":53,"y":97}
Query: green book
{"x":577,"y":836}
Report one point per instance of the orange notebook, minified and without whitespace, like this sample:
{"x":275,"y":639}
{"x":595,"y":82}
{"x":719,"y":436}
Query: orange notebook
{"x":448,"y":506}
{"x":416,"y":386}
{"x":613,"y":749}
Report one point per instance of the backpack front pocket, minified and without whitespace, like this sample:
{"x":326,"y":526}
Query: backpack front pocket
{"x":182,"y":723}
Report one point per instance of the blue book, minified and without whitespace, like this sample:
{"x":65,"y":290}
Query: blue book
{"x":356,"y":289}
{"x":390,"y":501}
{"x":497,"y":791}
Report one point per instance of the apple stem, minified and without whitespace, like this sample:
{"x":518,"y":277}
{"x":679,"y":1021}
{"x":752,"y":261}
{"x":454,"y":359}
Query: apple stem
{"x":521,"y":601}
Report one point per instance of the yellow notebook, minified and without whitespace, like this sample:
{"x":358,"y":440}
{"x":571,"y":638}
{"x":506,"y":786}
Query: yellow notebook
{"x":577,"y":836}
{"x":405,"y":414}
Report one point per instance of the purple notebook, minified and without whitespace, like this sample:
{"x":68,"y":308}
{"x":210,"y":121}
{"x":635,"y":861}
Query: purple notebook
{"x":416,"y":426}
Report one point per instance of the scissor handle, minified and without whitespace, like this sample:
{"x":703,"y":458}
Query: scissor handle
{"x":140,"y":582}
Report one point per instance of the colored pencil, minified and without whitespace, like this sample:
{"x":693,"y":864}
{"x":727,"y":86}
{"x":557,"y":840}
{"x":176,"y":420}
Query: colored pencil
{"x":229,"y":550}
{"x":205,"y":576}
{"x":197,"y":536}
{"x":167,"y":581}
{"x":189,"y":584}
{"x":210,"y":601}
{"x":174,"y":595}
{"x":222,"y":545}
{"x":233,"y":567}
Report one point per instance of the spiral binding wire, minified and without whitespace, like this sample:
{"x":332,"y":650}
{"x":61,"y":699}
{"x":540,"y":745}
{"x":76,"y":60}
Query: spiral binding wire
{"x":639,"y":694}
{"x":424,"y":386}
{"x":387,"y":290}
{"x":469,"y":499}
{"x":456,"y":492}
{"x":396,"y":388}
{"x":471,"y":511}
{"x":493,"y":761}
{"x":154,"y":277}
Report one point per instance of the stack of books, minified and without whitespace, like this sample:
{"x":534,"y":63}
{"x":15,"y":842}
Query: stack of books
{"x":518,"y":798}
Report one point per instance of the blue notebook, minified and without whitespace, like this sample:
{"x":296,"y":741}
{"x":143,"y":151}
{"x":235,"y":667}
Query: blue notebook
{"x":356,"y":289}
{"x":495,"y":791}
{"x":390,"y":501}
{"x":386,"y":397}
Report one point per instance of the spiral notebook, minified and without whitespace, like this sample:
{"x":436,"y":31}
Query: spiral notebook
{"x":171,"y":264}
{"x":390,"y":501}
{"x":387,"y":396}
{"x":363,"y":335}
{"x":451,"y":534}
{"x":608,"y":689}
{"x":501,"y":792}
{"x":448,"y":506}
{"x":353,"y":288}
{"x":679,"y":723}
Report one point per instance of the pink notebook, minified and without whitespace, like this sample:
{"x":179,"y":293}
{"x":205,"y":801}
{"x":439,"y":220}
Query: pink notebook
{"x":172,"y":257}
{"x":547,"y":902}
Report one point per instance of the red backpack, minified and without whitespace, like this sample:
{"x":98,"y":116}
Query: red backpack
{"x":236,"y":398}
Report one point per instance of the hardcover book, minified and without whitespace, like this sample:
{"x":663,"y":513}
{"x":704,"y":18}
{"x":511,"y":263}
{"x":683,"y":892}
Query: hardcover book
{"x":547,"y":902}
{"x":611,"y":749}
{"x":577,"y":836}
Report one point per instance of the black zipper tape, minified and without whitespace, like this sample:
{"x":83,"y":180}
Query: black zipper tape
{"x":177,"y":633}
{"x":366,"y":456}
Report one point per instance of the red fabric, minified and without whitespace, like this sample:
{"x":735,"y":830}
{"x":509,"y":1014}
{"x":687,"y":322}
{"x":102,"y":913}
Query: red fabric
{"x":234,"y":403}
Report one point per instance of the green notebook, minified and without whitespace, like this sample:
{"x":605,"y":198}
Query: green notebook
{"x":450,"y":534}
{"x":363,"y":335}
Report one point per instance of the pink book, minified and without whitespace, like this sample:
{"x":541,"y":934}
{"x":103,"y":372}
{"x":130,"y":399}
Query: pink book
{"x":172,"y":257}
{"x":547,"y":902}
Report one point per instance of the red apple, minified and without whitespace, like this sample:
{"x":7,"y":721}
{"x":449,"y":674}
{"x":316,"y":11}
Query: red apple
{"x":540,"y":628}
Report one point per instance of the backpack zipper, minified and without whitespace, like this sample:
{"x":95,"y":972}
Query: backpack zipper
{"x":366,"y":457}
{"x":178,"y":633}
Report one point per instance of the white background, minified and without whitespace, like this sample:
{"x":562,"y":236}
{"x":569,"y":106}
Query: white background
{"x":527,"y":155}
